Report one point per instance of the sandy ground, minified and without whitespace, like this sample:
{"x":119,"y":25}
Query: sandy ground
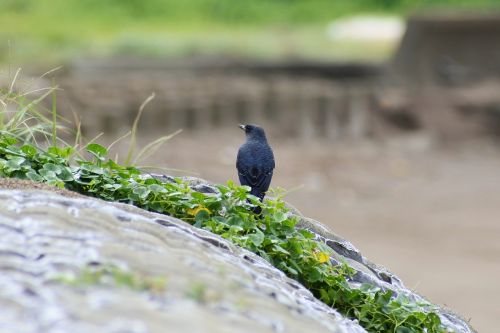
{"x":431,"y":215}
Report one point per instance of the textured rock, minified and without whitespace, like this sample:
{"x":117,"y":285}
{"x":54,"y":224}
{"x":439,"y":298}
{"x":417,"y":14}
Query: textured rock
{"x":212,"y":285}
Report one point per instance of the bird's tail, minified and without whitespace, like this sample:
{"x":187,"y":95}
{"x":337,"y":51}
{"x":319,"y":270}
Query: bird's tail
{"x":257,"y":210}
{"x":259,"y":194}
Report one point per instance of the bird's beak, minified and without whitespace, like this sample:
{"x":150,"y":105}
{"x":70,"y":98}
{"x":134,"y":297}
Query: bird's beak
{"x":241,"y":126}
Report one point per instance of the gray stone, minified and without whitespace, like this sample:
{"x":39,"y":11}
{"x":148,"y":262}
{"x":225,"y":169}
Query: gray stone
{"x":212,"y":285}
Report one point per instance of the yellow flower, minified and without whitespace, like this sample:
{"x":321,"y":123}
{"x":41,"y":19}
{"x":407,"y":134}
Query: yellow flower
{"x":196,"y":210}
{"x":322,"y":257}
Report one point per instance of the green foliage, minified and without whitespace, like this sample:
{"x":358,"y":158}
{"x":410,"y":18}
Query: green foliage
{"x":224,"y":11}
{"x":55,"y":30}
{"x":272,"y":235}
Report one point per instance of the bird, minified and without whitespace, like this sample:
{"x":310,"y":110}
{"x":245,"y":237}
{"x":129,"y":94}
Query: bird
{"x":255,"y":162}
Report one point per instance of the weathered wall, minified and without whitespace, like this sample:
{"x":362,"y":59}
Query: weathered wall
{"x":293,"y":102}
{"x":449,"y":48}
{"x":296,"y":102}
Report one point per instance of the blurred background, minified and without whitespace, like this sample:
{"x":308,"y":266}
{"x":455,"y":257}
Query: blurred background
{"x":384,"y":115}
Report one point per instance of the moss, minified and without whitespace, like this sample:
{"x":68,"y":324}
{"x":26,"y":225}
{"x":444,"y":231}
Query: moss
{"x":110,"y":275}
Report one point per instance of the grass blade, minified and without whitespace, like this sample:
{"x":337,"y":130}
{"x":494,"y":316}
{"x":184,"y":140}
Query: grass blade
{"x":152,"y":147}
{"x":133,"y":139}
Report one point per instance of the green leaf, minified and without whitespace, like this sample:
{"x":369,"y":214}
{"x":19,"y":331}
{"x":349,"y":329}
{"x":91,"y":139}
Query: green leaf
{"x":256,"y":238}
{"x":198,"y":196}
{"x":61,"y":152}
{"x":141,"y":191}
{"x":307,"y":234}
{"x":295,"y":246}
{"x":32,"y":175}
{"x":113,"y":165}
{"x":296,"y":266}
{"x":235,"y":220}
{"x":52,"y":167}
{"x":65,"y":174}
{"x":235,"y":229}
{"x":155,"y":188}
{"x":402,"y":329}
{"x":278,"y":248}
{"x":246,"y":188}
{"x":291,"y":270}
{"x":289,"y":223}
{"x":97,"y":150}
{"x":29,"y":150}
{"x":8,"y":140}
{"x":324,"y":296}
{"x":112,"y":187}
{"x":92,"y":168}
{"x":15,"y":162}
{"x":47,"y":174}
{"x":150,"y":181}
{"x":201,"y":216}
{"x":279,"y":216}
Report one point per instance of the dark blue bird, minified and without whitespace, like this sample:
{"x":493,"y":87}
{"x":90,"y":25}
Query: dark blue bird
{"x":255,"y":161}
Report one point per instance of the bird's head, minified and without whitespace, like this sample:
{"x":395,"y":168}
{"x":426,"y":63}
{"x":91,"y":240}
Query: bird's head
{"x":253,"y":132}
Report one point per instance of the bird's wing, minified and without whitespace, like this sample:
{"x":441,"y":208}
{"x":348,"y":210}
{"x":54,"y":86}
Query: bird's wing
{"x":264,"y":182}
{"x":255,"y":176}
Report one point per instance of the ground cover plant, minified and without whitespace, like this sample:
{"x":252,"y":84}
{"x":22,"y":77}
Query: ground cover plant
{"x":228,"y":213}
